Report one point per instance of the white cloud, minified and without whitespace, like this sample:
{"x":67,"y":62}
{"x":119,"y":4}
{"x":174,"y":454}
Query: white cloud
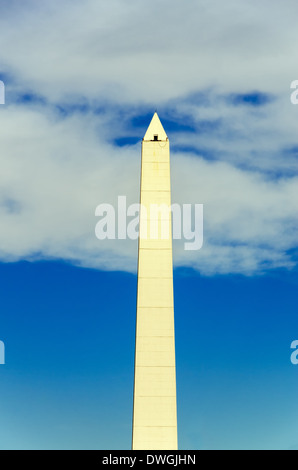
{"x":125,"y":56}
{"x":150,"y":51}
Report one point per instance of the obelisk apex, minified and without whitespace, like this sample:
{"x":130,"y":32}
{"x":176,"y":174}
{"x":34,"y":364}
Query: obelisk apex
{"x":155,"y":129}
{"x":155,"y":415}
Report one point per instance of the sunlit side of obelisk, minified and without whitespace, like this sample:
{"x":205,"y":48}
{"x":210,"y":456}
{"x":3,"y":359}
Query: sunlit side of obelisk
{"x":155,"y":415}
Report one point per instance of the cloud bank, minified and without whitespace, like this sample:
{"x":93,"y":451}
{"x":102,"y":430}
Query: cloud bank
{"x":82,"y":81}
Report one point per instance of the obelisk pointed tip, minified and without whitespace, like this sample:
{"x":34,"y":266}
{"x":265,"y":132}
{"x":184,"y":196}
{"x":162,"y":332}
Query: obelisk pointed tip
{"x":155,"y":130}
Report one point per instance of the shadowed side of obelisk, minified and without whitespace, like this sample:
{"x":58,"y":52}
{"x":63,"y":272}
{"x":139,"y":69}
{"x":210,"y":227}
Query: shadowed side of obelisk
{"x":155,"y":417}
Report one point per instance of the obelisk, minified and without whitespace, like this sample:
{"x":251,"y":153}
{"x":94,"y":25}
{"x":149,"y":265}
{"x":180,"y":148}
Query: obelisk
{"x":155,"y":414}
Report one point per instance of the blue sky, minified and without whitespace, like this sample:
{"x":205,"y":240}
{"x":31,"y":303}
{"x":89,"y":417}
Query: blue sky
{"x":82,"y":80}
{"x":69,"y":335}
